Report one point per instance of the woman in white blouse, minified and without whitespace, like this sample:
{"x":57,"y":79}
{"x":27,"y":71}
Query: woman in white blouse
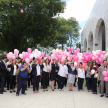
{"x":46,"y":70}
{"x":63,"y":71}
{"x":13,"y":67}
{"x":81,"y":76}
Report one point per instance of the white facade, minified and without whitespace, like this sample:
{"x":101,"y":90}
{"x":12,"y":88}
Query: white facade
{"x":95,"y":33}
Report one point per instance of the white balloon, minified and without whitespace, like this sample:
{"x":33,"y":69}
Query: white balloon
{"x":39,"y":53}
{"x":80,"y":57}
{"x":106,"y":54}
{"x":92,"y":71}
{"x":35,"y":55}
{"x":93,"y":58}
{"x":36,"y":50}
{"x":20,"y":55}
{"x":31,"y":56}
{"x":57,"y":50}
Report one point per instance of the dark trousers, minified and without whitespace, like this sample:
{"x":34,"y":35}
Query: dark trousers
{"x":94,"y":84}
{"x":56,"y":81}
{"x":12,"y":82}
{"x":61,"y":82}
{"x":2,"y":82}
{"x":88,"y":82}
{"x":48,"y":78}
{"x":8,"y":80}
{"x":80,"y":83}
{"x":65,"y":81}
{"x":45,"y":79}
{"x":29,"y":81}
{"x":75,"y":81}
{"x":42,"y":80}
{"x":21,"y":83}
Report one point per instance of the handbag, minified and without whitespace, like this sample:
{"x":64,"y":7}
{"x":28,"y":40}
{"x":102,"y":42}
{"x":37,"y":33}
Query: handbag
{"x":96,"y":76}
{"x":17,"y":72}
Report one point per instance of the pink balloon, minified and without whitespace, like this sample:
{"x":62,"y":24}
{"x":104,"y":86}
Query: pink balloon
{"x":22,"y":11}
{"x":52,"y":56}
{"x":69,"y":48}
{"x":27,"y":60}
{"x":54,"y":51}
{"x":13,"y":57}
{"x":104,"y":73}
{"x":16,"y":56}
{"x":29,"y":50}
{"x":106,"y":79}
{"x":72,"y":48}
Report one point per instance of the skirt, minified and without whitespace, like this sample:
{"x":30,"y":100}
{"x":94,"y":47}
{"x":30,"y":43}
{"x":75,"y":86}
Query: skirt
{"x":53,"y":76}
{"x":71,"y":78}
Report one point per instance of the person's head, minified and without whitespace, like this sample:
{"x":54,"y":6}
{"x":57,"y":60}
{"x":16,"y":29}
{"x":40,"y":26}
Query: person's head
{"x":54,"y":60}
{"x":88,"y":63}
{"x":57,"y":61}
{"x":47,"y":61}
{"x":62,"y":62}
{"x":42,"y":61}
{"x":24,"y":63}
{"x":93,"y":63}
{"x":36,"y":61}
{"x":4,"y":58}
{"x":72,"y":64}
{"x":105,"y":62}
{"x":14,"y":61}
{"x":80,"y":64}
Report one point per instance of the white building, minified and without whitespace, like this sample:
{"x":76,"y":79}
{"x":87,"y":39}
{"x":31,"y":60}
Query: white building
{"x":95,"y":33}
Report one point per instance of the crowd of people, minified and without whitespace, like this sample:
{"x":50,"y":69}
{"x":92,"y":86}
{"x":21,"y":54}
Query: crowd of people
{"x":16,"y":73}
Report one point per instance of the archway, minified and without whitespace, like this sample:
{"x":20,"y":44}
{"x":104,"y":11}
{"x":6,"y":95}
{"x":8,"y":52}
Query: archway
{"x":85,"y":45}
{"x":90,"y":42}
{"x":100,"y":38}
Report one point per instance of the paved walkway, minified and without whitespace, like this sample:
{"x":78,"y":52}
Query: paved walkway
{"x":56,"y":99}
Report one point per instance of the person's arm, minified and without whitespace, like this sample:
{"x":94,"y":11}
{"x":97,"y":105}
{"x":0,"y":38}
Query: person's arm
{"x":3,"y":69}
{"x":99,"y":73}
{"x":66,"y":72}
{"x":22,"y":69}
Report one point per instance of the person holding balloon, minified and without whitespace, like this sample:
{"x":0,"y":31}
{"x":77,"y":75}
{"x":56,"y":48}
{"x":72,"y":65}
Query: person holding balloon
{"x":22,"y":78}
{"x":81,"y":76}
{"x":46,"y":69}
{"x":94,"y":73}
{"x":63,"y":72}
{"x":103,"y":77}
{"x":72,"y":73}
{"x":12,"y":74}
{"x":88,"y":76}
{"x":36,"y":72}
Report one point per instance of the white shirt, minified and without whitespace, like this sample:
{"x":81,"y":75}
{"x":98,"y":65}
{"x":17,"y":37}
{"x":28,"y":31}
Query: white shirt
{"x":15,"y":68}
{"x":63,"y":70}
{"x":38,"y":70}
{"x":46,"y":68}
{"x":81,"y":73}
{"x":6,"y":64}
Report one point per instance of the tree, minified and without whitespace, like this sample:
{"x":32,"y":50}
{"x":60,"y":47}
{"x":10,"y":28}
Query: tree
{"x":73,"y":34}
{"x":28,"y":29}
{"x":63,"y":28}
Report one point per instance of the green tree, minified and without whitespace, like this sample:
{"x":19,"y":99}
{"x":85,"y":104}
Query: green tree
{"x":73,"y":34}
{"x":34,"y":26}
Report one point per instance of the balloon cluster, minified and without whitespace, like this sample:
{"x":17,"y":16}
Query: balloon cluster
{"x":61,"y":55}
{"x":105,"y":74}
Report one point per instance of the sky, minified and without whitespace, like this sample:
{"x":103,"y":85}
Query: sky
{"x":80,"y":9}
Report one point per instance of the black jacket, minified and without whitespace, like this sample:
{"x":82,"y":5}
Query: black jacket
{"x":3,"y":69}
{"x":12,"y":68}
{"x":70,"y":71}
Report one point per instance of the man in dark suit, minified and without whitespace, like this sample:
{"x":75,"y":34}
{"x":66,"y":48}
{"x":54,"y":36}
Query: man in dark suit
{"x":3,"y":71}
